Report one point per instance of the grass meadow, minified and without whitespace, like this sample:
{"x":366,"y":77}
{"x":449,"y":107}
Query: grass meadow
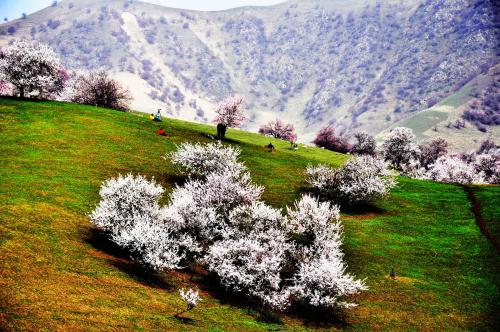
{"x":57,"y":274}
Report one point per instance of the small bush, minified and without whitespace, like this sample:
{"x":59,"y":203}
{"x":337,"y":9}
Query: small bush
{"x":204,"y":159}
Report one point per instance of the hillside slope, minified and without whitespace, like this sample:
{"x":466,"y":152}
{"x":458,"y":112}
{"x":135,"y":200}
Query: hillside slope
{"x":359,"y":64}
{"x":439,"y":120}
{"x":57,"y":274}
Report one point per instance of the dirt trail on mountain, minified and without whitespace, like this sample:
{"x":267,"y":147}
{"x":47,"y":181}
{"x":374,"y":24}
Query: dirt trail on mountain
{"x":476,"y":210}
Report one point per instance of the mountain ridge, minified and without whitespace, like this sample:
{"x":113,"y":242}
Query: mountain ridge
{"x":362,"y":66}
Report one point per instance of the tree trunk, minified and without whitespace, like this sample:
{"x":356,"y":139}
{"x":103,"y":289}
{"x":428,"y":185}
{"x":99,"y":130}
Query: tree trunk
{"x":221,"y":131}
{"x":21,"y":91}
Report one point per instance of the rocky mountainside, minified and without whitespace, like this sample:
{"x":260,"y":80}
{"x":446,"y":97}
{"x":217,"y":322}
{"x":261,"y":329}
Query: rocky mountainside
{"x":356,"y":64}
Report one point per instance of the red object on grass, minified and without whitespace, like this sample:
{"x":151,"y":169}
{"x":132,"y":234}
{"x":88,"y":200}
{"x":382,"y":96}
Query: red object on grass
{"x":161,"y":132}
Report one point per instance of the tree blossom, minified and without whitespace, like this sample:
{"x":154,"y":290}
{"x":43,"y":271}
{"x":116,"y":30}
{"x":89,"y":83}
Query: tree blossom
{"x":278,"y":129}
{"x":251,"y":259}
{"x":130,"y":214}
{"x":202,"y":207}
{"x":218,"y":220}
{"x":32,"y":68}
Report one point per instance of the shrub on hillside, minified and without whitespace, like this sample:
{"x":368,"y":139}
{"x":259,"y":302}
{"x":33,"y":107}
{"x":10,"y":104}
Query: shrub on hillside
{"x":98,"y":89}
{"x":487,"y":146}
{"x":278,"y":129}
{"x":360,"y":180}
{"x":252,"y":258}
{"x":33,"y":69}
{"x":326,"y":138}
{"x":365,"y":144}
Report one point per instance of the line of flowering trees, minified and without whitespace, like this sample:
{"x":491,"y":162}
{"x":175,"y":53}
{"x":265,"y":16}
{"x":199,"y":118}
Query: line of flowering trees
{"x":432,"y":161}
{"x":400,"y":150}
{"x":217,"y":219}
{"x":32,"y":69}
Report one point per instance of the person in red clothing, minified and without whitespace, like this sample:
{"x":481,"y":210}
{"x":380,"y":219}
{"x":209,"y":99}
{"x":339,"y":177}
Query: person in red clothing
{"x":161,"y":132}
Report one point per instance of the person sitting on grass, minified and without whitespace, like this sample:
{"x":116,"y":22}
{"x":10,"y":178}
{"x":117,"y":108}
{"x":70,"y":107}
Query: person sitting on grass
{"x":270,"y":147}
{"x":161,"y":132}
{"x":151,"y":117}
{"x":157,"y":117}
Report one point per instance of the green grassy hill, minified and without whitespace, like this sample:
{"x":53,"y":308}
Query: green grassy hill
{"x":56,"y":274}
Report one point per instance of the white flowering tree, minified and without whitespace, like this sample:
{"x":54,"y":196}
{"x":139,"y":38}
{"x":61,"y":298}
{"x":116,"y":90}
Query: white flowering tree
{"x":360,"y":180}
{"x":129,"y":213}
{"x":33,"y":69}
{"x":320,"y":278}
{"x":230,"y":113}
{"x":203,"y":159}
{"x":399,"y":147}
{"x":251,"y":258}
{"x":218,"y":220}
{"x":452,"y":169}
{"x":278,"y":129}
{"x":201,"y":208}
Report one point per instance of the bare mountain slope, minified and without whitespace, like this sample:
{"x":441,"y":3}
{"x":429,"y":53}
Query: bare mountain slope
{"x":357,"y":64}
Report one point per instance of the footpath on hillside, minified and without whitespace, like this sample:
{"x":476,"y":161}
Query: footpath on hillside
{"x":478,"y":216}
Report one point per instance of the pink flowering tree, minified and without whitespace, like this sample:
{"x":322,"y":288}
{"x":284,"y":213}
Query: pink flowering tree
{"x":278,"y":129}
{"x":328,"y":139}
{"x":230,"y":113}
{"x":33,"y":69}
